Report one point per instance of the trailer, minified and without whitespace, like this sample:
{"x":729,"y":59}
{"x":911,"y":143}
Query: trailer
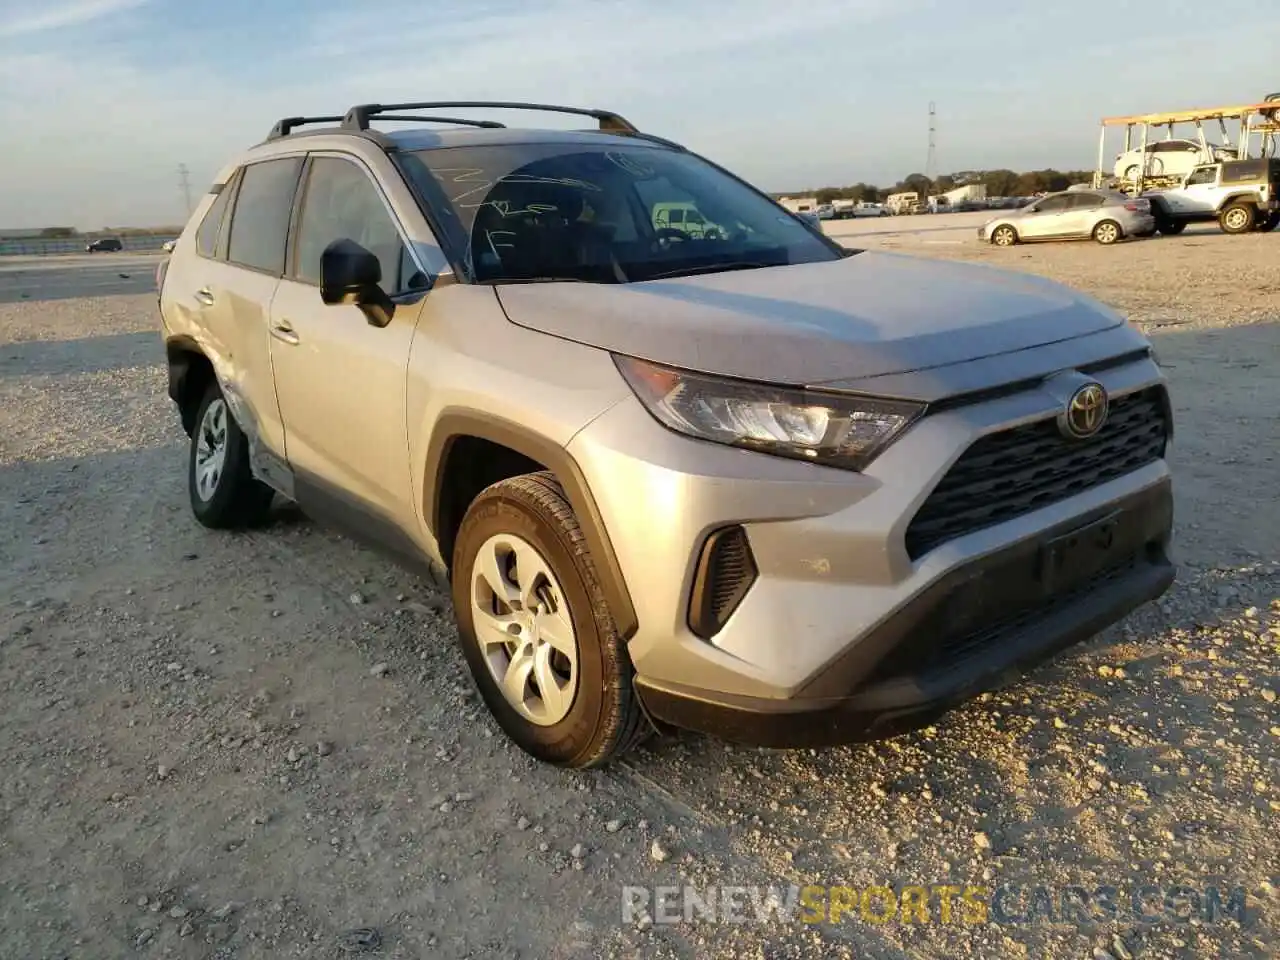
{"x":1250,"y":120}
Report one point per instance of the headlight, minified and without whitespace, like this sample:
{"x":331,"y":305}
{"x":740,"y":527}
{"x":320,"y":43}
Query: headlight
{"x":826,"y":428}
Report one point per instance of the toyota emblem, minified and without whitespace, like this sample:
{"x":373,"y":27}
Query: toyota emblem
{"x":1085,"y":412}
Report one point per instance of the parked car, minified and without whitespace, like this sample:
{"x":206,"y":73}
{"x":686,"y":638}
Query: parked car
{"x":592,"y":430}
{"x":685,"y":218}
{"x":1241,"y":195}
{"x":1102,"y":215}
{"x":104,"y":245}
{"x":868,"y":209}
{"x":1169,"y":158}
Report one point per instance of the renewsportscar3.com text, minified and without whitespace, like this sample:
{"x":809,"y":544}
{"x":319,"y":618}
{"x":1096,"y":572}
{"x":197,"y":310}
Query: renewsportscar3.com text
{"x":937,"y":903}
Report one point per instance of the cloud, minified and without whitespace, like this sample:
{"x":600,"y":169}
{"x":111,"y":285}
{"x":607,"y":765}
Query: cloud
{"x":20,"y":18}
{"x":601,"y":47}
{"x":786,"y":94}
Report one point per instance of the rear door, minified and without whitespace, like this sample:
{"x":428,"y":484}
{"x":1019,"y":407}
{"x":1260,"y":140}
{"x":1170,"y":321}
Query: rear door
{"x":1174,"y":158}
{"x":1083,"y":213}
{"x":342,"y":382}
{"x":231,"y":282}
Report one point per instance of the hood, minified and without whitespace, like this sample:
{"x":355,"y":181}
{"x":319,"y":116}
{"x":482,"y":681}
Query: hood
{"x":864,"y":316}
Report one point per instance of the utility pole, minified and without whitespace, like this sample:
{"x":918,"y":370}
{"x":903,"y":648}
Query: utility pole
{"x":931,"y":162}
{"x":184,"y":181}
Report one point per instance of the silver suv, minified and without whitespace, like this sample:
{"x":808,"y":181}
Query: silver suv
{"x":754,"y":484}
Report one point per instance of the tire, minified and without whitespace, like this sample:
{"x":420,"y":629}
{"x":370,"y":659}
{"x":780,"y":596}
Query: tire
{"x":1237,"y":217}
{"x":1107,"y":232}
{"x":224,"y":493}
{"x":1171,"y":228}
{"x":595,"y":717}
{"x":1269,"y":222}
{"x":1131,"y":172}
{"x":1004,"y":236}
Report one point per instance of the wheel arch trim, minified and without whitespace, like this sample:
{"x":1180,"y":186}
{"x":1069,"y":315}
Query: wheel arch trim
{"x":455,"y":423}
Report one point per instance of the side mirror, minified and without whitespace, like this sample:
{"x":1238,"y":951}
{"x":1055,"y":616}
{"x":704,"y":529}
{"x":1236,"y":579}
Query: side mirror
{"x":350,"y":274}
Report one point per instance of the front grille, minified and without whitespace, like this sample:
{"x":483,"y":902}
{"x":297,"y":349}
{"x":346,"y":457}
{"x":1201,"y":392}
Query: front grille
{"x":1007,"y":474}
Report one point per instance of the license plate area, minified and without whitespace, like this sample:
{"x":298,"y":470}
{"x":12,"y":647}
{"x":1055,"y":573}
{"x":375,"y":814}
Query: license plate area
{"x":1074,"y":557}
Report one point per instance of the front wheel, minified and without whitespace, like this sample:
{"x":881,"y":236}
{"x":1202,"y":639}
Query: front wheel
{"x":1172,"y":228}
{"x":1004,"y":236}
{"x":1107,"y":232}
{"x":224,"y":493}
{"x":1269,"y":222}
{"x":535,"y":629}
{"x":1237,"y":218}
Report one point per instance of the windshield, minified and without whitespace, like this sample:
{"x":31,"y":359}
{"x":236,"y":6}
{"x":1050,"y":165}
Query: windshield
{"x":557,"y":211}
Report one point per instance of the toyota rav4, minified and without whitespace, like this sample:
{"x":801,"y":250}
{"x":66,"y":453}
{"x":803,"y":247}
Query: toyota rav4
{"x":751,"y":483}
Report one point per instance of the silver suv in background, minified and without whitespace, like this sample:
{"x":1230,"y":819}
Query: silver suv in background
{"x":738,"y":484}
{"x":1102,"y":215}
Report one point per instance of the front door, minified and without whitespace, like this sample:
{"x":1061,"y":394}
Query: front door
{"x":1047,"y":219}
{"x":341,"y":382}
{"x":1199,"y":195}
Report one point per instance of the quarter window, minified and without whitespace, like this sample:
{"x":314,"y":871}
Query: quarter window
{"x":342,"y":203}
{"x":207,"y":235}
{"x":260,"y":223}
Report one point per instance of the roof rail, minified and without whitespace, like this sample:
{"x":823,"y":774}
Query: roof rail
{"x":358,"y":117}
{"x":457,"y":120}
{"x":284,"y":127}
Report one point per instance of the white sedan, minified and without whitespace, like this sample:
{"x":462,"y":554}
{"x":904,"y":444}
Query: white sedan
{"x":1169,"y":158}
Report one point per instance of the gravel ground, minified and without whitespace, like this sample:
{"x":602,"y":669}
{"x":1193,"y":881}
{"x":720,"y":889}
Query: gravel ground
{"x":264,"y":745}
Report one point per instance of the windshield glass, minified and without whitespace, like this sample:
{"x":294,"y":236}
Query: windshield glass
{"x":601,"y":214}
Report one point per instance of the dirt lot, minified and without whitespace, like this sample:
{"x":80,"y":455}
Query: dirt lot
{"x":257,"y":745}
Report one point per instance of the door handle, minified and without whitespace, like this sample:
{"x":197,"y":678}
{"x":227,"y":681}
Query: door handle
{"x":205,"y":296}
{"x":283,"y":331}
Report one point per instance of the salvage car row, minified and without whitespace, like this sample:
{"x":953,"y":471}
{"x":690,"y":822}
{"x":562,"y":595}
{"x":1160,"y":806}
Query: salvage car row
{"x":1241,"y":195}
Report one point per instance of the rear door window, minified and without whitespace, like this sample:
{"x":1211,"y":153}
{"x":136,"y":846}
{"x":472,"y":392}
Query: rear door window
{"x":260,"y":221}
{"x":1053,"y":205}
{"x":1086,"y":201}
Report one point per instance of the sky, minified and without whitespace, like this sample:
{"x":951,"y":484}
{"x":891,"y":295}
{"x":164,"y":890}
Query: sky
{"x":102,"y":100}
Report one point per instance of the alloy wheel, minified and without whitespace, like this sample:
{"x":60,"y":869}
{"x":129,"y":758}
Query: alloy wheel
{"x":524,"y":629}
{"x":1107,"y":233}
{"x":211,"y":449}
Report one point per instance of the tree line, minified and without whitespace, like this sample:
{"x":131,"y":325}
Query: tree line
{"x":999,"y":183}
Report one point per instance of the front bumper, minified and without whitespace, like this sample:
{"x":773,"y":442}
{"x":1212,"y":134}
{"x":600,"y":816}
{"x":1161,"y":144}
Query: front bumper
{"x":977,"y":628}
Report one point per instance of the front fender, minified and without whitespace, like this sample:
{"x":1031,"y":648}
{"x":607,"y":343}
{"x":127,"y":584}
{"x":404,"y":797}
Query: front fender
{"x":454,"y":423}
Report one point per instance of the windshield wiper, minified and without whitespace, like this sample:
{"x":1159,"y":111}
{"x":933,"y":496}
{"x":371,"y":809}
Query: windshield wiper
{"x":497,"y":280}
{"x":715,"y":268}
